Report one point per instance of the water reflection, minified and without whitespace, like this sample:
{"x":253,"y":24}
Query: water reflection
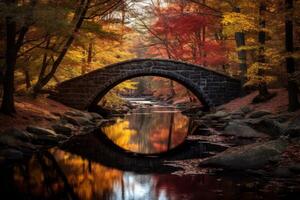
{"x":61,"y":175}
{"x":149,"y":130}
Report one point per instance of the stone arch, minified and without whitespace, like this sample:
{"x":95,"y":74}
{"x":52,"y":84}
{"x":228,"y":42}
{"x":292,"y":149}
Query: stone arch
{"x":212,"y":88}
{"x":169,"y":75}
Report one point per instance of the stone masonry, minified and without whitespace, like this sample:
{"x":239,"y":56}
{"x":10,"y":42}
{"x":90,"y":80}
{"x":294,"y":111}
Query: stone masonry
{"x":83,"y":92}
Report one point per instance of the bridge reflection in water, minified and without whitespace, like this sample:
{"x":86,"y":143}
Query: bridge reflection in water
{"x":149,"y":130}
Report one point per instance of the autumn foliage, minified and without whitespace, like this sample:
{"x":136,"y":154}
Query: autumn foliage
{"x":182,"y":33}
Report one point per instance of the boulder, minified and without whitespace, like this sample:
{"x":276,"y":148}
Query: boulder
{"x":7,"y":141}
{"x":74,"y":113}
{"x":293,"y":128}
{"x":62,"y":129}
{"x":268,"y":126}
{"x":217,"y":115}
{"x":237,"y":115}
{"x":95,"y":115}
{"x":76,"y":120}
{"x":11,"y":154}
{"x":35,"y":130}
{"x":57,"y":114}
{"x":45,"y":136}
{"x":239,"y":129}
{"x":282,"y":118}
{"x":87,"y":129}
{"x":246,"y":109}
{"x":17,"y":139}
{"x":17,"y":134}
{"x":253,"y":156}
{"x":258,"y":114}
{"x":81,"y":114}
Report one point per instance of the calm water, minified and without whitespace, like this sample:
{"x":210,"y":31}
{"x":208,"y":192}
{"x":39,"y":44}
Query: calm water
{"x":86,"y":168}
{"x":64,"y":175}
{"x":149,"y":130}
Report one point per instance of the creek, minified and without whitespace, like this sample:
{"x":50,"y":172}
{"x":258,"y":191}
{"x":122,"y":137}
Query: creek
{"x":127,"y":160}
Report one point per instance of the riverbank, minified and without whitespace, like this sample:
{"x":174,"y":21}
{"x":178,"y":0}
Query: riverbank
{"x":43,"y":123}
{"x":263,"y":138}
{"x":40,"y":112}
{"x":247,"y":147}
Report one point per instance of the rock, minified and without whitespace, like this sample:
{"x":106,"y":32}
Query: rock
{"x":77,"y":121}
{"x":7,"y":141}
{"x":74,"y":113}
{"x":217,"y":115}
{"x":11,"y":154}
{"x":237,"y":115}
{"x":46,"y":140}
{"x":268,"y":126}
{"x":240,"y":129}
{"x":17,"y":134}
{"x":17,"y":139}
{"x":282,"y":118}
{"x":81,"y":114}
{"x":258,"y":114}
{"x":246,"y":109}
{"x":96,"y":115}
{"x":253,"y":156}
{"x":51,"y":119}
{"x":40,"y":131}
{"x":45,"y":136}
{"x":56,"y":114}
{"x":293,"y":128}
{"x":228,"y":118}
{"x":87,"y":129}
{"x":87,"y":115}
{"x":62,"y":129}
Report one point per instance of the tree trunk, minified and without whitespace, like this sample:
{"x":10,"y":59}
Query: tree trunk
{"x":290,"y":62}
{"x":90,"y":56}
{"x":172,"y":90}
{"x":26,"y":73}
{"x":170,"y":131}
{"x":8,"y":106}
{"x":242,"y":56}
{"x":262,"y":88}
{"x":27,"y":78}
{"x":13,"y":45}
{"x":44,"y":80}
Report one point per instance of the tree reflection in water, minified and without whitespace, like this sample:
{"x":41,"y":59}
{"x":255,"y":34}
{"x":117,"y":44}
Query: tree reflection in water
{"x":150,"y":130}
{"x":61,"y":175}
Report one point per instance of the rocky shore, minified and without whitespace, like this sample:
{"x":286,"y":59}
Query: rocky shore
{"x":252,"y":140}
{"x":17,"y":144}
{"x":272,"y":141}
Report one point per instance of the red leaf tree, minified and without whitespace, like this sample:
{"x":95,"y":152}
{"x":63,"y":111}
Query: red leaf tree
{"x":183,"y":32}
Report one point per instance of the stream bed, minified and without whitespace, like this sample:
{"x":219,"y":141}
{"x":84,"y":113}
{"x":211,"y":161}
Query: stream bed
{"x":129,"y":159}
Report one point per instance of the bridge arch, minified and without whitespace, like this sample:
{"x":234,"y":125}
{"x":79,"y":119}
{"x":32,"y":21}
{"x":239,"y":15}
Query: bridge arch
{"x":212,"y":88}
{"x":168,"y":74}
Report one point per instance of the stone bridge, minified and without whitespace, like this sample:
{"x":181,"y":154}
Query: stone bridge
{"x":210,"y":87}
